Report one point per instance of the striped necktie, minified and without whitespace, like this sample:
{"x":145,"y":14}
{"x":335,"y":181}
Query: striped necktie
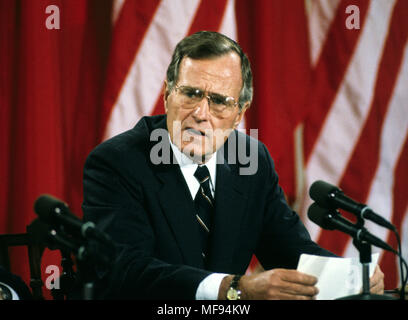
{"x":204,"y":204}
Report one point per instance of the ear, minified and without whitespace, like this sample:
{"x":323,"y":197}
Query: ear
{"x":166,"y":94}
{"x":241,"y":114}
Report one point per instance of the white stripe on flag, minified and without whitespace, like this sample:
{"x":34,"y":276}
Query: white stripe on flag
{"x":229,"y":28}
{"x":144,"y":81}
{"x":404,"y":236}
{"x":320,"y":14}
{"x":394,"y":134}
{"x":342,"y":128}
{"x":228,"y":25}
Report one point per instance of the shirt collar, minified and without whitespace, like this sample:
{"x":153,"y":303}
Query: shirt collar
{"x":188,"y":165}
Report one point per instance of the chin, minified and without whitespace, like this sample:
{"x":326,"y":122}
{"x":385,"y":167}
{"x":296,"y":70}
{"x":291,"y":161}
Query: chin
{"x":196,"y":152}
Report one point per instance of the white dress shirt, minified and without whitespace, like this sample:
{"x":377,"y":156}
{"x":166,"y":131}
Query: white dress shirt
{"x":209,"y":287}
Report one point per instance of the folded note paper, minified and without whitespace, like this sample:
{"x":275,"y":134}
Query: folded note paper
{"x":337,"y":277}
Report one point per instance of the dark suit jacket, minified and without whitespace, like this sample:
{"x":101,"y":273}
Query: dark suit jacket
{"x":148,"y":210}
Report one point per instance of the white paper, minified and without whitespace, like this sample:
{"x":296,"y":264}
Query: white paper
{"x":337,"y":277}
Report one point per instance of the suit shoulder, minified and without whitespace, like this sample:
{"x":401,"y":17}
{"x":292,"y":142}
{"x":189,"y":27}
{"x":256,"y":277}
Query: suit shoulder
{"x":252,"y":145}
{"x":251,"y":154}
{"x":251,"y":138}
{"x":136,"y":139}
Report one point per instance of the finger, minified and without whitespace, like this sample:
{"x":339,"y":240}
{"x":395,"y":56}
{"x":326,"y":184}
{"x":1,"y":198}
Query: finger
{"x":299,"y":277}
{"x":377,"y":288}
{"x":377,"y":280}
{"x":292,"y":288}
{"x":298,"y":289}
{"x":378,"y":273}
{"x":297,"y":283}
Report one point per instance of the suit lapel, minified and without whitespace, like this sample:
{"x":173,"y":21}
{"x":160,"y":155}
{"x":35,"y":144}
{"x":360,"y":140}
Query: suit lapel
{"x":230,"y":200}
{"x":178,"y":207}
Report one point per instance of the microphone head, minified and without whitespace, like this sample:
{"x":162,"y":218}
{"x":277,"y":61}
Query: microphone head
{"x":320,"y":190}
{"x":319,"y":216}
{"x":46,"y":204}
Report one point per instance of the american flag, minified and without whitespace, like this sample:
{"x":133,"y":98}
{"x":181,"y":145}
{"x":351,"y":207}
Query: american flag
{"x":330,"y":96}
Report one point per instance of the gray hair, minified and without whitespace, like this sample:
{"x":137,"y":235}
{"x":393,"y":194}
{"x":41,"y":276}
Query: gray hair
{"x":209,"y":44}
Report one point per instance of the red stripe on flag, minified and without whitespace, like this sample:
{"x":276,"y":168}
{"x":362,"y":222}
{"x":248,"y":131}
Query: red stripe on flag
{"x":129,"y":32}
{"x":274,"y":35}
{"x":400,"y":204}
{"x":358,"y":178}
{"x":208,"y":17}
{"x":329,"y":72}
{"x":9,"y":31}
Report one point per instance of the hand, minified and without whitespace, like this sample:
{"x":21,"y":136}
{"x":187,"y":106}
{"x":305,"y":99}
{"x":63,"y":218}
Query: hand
{"x":276,"y":284}
{"x":377,"y":281}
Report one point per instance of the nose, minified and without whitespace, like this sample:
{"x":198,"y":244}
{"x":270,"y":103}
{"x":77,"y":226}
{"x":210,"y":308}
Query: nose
{"x":202,"y":111}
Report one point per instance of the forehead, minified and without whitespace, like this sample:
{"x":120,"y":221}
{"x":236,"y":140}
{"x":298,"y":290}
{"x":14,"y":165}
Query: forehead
{"x":220,"y":74}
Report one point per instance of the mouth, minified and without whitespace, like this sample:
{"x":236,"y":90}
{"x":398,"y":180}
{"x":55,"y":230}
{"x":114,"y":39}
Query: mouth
{"x":195,"y":132}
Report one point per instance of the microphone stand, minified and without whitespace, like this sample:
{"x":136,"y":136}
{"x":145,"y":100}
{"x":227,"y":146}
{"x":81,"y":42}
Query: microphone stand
{"x":67,"y":279}
{"x":87,"y":256}
{"x":364,"y":249}
{"x":85,"y":273}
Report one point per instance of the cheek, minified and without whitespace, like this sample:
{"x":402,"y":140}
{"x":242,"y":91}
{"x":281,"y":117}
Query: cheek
{"x":224,"y":124}
{"x":176,"y":117}
{"x":222,"y":129}
{"x":175,"y":113}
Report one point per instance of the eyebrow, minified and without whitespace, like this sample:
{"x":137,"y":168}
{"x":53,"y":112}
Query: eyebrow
{"x":209,"y":92}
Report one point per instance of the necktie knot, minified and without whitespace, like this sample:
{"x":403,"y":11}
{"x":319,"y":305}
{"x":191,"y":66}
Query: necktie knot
{"x":203,"y":177}
{"x":202,"y":174}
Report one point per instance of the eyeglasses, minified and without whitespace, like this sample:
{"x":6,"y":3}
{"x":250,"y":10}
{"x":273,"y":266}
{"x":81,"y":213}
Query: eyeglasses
{"x":220,"y":106}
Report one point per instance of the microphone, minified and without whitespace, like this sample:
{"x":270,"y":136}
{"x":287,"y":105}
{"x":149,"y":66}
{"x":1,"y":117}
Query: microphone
{"x":332,"y":220}
{"x":331,"y":197}
{"x":56,"y":212}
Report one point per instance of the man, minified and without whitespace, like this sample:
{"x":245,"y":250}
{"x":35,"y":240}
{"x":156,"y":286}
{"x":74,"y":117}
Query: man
{"x":185,"y":236}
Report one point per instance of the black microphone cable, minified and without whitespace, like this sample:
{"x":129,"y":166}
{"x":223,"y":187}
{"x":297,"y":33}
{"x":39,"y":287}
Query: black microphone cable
{"x":402,"y":263}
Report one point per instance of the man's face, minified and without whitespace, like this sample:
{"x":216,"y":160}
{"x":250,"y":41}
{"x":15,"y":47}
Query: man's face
{"x":196,"y":131}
